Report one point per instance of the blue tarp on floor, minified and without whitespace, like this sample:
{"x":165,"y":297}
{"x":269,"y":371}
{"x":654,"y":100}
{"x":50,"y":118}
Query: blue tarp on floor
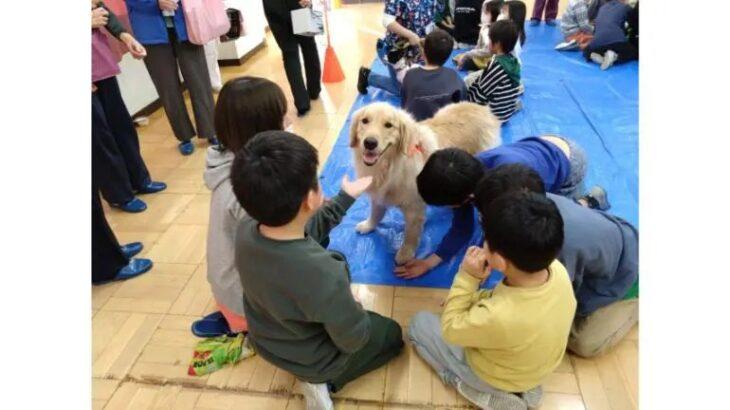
{"x":564,"y":95}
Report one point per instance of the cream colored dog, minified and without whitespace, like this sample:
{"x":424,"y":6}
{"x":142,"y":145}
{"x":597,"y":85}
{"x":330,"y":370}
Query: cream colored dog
{"x":389,"y":145}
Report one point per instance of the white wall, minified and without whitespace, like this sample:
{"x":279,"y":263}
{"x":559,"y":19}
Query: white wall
{"x":136,"y":85}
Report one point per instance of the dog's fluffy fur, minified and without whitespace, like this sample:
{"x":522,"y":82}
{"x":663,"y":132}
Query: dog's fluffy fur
{"x":389,"y":145}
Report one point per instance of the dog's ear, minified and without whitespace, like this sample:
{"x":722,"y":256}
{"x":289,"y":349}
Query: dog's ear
{"x":354,"y":122}
{"x":408,"y":134}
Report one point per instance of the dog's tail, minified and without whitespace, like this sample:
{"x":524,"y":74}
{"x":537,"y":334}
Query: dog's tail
{"x":471,"y":127}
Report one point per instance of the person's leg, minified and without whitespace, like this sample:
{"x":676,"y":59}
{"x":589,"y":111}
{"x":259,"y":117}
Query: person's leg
{"x":312,"y":66}
{"x":162,"y":67}
{"x":551,"y":10}
{"x":574,"y":185}
{"x":625,"y":51}
{"x":388,"y":82}
{"x":194,"y":68}
{"x":236,"y":322}
{"x":537,"y":10}
{"x":385,"y":343}
{"x":289,"y":46}
{"x":108,"y":167}
{"x":107,"y":258}
{"x":122,"y":128}
{"x":603,"y":329}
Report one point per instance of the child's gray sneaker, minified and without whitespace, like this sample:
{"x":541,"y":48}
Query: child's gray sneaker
{"x":491,"y":401}
{"x":597,"y":198}
{"x":317,"y":396}
{"x":533,"y":398}
{"x":597,"y":58}
{"x":608,"y":59}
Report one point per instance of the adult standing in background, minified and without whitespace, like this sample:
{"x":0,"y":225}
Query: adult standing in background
{"x":278,"y":15}
{"x":551,"y":12}
{"x":160,"y":26}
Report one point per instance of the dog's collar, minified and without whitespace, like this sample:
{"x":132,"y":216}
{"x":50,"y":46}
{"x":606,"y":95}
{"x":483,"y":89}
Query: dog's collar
{"x":415,"y":149}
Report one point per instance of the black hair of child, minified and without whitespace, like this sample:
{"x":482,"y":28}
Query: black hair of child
{"x":273,"y":174}
{"x":503,"y":180}
{"x":438,"y":46}
{"x":504,"y":33}
{"x":525,"y":228}
{"x":493,"y":8}
{"x":449,"y":177}
{"x":246,"y":106}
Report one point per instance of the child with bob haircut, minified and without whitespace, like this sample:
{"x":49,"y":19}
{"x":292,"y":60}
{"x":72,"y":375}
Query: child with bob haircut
{"x":301,"y":314}
{"x":496,"y":347}
{"x":246,"y":106}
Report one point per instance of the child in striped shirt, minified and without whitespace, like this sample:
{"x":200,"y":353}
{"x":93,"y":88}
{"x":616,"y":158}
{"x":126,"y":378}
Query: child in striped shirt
{"x":498,"y":87}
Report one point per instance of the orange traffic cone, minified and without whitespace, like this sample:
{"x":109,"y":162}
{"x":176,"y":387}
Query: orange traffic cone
{"x":332,"y":72}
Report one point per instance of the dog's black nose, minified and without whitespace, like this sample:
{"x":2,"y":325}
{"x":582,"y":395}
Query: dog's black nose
{"x":370,"y":143}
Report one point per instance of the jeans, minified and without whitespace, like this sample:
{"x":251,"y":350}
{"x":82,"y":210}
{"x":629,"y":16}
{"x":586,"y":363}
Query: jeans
{"x":389,"y":82}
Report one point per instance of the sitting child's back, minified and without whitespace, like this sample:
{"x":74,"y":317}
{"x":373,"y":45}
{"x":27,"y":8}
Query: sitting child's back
{"x":426,"y":89}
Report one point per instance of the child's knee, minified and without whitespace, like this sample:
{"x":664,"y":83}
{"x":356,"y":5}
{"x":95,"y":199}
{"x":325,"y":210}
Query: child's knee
{"x":421,"y":323}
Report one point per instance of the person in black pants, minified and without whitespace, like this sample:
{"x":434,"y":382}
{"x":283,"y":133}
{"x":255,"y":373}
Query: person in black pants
{"x":109,"y":261}
{"x":278,"y":15}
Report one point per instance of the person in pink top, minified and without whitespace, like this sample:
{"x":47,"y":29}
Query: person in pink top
{"x":117,"y":164}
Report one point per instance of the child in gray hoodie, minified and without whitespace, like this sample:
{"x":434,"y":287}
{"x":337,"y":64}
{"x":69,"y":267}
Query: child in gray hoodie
{"x":246,"y":106}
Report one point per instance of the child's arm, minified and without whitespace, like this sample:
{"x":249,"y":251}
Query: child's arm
{"x":332,"y":212}
{"x":462,"y":227}
{"x":346,"y":322}
{"x":466,"y":319}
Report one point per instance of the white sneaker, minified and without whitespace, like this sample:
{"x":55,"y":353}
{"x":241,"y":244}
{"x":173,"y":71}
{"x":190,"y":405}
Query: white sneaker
{"x":608,"y":59}
{"x":317,"y":396}
{"x":597,"y":58}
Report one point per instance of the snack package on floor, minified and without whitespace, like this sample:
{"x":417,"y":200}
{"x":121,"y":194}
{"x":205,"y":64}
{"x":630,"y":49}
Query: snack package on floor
{"x":214,"y":353}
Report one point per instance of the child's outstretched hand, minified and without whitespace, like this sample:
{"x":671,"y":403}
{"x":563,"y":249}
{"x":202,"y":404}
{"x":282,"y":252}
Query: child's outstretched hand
{"x":357,"y":187}
{"x":475,"y":263}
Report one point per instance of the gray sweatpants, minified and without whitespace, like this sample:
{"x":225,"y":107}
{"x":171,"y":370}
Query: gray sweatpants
{"x":448,"y":360}
{"x":603,"y":329}
{"x":162,"y":64}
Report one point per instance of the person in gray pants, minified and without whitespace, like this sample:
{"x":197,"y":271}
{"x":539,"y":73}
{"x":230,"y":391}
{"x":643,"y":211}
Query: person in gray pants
{"x":160,"y":27}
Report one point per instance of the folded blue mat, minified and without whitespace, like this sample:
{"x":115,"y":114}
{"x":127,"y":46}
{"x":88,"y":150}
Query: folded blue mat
{"x":564,"y":95}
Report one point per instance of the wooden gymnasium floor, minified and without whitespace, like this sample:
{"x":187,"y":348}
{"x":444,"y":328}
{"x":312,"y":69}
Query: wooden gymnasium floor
{"x":141,"y":338}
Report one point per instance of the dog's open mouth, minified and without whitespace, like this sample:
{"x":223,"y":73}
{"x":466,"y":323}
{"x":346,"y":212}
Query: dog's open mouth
{"x":369,"y":158}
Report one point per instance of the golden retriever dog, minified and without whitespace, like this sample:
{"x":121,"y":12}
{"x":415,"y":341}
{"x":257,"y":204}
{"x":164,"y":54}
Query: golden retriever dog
{"x":389,"y":145}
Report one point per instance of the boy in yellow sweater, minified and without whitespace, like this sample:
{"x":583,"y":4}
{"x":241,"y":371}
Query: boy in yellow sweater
{"x":496,"y":347}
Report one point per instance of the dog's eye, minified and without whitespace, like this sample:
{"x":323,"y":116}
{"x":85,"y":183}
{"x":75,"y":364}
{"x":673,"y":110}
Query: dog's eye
{"x":365,"y":120}
{"x":388,"y":125}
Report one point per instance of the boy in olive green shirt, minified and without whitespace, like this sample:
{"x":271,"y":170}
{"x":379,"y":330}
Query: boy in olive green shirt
{"x":496,"y":347}
{"x":301,"y":314}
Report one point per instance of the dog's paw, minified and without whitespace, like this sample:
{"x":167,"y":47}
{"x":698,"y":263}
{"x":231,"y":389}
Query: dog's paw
{"x":365,"y":227}
{"x":405,"y":254}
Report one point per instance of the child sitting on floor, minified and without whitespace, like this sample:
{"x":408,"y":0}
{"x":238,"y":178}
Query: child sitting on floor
{"x":575,"y":26}
{"x":450,"y":175}
{"x":426,"y":89}
{"x":235,"y":124}
{"x":609,"y":44}
{"x":478,"y":57}
{"x":301,"y":314}
{"x":497,"y":347}
{"x":498,"y":86}
{"x":600,"y":252}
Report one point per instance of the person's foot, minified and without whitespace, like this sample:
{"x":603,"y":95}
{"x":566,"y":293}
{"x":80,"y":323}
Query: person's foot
{"x":135,"y":268}
{"x":567,"y":46}
{"x":133,"y":206}
{"x":608,"y":59}
{"x":533,"y":398}
{"x":497,"y":400}
{"x":152,"y":187}
{"x":301,"y":112}
{"x":314,"y":96}
{"x":213,"y":325}
{"x":213,"y":141}
{"x":362,"y":80}
{"x":186,"y":147}
{"x":131,"y":249}
{"x":597,"y":58}
{"x":317,"y":396}
{"x":597,"y":198}
{"x":534,"y":22}
{"x":551,"y":22}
